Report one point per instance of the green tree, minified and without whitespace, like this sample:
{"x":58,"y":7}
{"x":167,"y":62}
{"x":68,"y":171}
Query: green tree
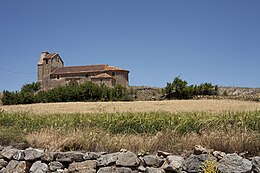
{"x":178,"y":89}
{"x":207,"y":89}
{"x":31,"y":88}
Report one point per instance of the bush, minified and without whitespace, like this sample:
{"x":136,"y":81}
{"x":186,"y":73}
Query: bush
{"x":31,"y":88}
{"x":209,"y":167}
{"x":179,"y":89}
{"x":225,"y":93}
{"x":71,"y":93}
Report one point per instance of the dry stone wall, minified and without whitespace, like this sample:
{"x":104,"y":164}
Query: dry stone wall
{"x":33,"y":160}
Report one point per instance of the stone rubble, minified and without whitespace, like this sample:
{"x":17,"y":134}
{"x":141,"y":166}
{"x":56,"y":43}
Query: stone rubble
{"x":32,"y":154}
{"x":39,"y":167}
{"x":194,"y":162}
{"x":152,"y":161}
{"x":173,"y":163}
{"x":256,"y":164}
{"x":127,"y":159}
{"x":234,"y":163}
{"x":33,"y":160}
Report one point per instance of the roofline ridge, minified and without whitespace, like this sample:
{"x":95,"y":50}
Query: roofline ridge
{"x":54,"y":55}
{"x":87,"y":65}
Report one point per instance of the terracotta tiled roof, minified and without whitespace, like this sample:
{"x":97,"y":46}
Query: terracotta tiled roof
{"x":80,"y":69}
{"x":50,"y":55}
{"x":85,"y":69}
{"x":102,"y":75}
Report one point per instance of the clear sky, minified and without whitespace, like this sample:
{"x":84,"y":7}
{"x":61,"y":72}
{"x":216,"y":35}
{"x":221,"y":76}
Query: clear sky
{"x":214,"y":41}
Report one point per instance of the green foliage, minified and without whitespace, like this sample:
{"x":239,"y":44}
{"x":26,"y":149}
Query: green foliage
{"x":31,"y":88}
{"x":72,"y":93}
{"x":179,"y":89}
{"x":225,"y":93}
{"x":144,"y":152}
{"x":119,"y":93}
{"x":25,"y":96}
{"x":207,"y":89}
{"x":10,"y":98}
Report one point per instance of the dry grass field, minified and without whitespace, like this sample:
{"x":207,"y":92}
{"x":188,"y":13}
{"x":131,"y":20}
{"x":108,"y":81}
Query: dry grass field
{"x":138,"y":106}
{"x":174,"y":126}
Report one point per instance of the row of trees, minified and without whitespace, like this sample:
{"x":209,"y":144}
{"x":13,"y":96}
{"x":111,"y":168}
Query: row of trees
{"x":179,"y":89}
{"x":30,"y":93}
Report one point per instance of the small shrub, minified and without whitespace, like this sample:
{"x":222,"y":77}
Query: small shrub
{"x":144,"y":152}
{"x":225,"y":93}
{"x":209,"y":167}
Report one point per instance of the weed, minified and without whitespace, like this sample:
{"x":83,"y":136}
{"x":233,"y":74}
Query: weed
{"x":144,"y":152}
{"x":209,"y":167}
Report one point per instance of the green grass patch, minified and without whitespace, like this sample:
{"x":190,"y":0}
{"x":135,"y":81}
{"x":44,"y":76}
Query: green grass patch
{"x":149,"y":123}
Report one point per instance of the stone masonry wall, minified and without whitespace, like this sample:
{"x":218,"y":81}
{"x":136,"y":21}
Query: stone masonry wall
{"x":122,"y":78}
{"x":33,"y":160}
{"x":106,"y":81}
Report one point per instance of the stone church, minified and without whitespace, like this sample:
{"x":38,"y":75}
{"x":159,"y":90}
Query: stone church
{"x":53,"y":73}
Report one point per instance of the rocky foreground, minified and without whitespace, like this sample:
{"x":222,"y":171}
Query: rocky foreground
{"x":32,"y":160}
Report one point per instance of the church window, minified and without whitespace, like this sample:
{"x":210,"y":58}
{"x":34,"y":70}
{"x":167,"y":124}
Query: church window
{"x":113,"y":73}
{"x":46,"y":61}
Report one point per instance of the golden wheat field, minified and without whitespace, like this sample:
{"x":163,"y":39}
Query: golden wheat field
{"x":138,"y":106}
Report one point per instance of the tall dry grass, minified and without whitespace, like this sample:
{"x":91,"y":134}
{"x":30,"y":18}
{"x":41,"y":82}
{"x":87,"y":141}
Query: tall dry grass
{"x":100,"y":140}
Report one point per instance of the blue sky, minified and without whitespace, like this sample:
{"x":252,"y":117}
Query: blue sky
{"x":214,"y":41}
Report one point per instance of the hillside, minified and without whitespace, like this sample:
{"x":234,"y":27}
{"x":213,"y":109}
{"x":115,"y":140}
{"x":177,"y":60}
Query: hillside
{"x":240,"y":91}
{"x":155,"y":93}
